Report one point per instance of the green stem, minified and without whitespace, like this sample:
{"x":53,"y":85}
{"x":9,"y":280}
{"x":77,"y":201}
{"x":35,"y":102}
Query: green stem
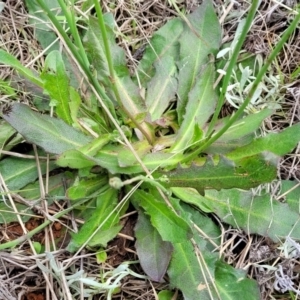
{"x":30,"y":234}
{"x":112,"y":73}
{"x":232,"y":63}
{"x":70,"y":17}
{"x":106,"y":47}
{"x":258,"y":79}
{"x":77,"y":55}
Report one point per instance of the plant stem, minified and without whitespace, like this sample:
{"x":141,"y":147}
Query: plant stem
{"x":30,"y":234}
{"x":85,"y":66}
{"x":232,"y":63}
{"x":147,"y":134}
{"x":258,"y":79}
{"x":70,"y":17}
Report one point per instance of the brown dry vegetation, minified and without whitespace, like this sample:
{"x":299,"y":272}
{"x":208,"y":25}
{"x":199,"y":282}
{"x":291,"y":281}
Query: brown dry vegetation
{"x":20,"y":276}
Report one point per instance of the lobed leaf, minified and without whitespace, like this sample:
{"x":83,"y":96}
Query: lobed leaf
{"x":53,"y":135}
{"x":101,"y":221}
{"x":245,"y":173}
{"x":170,"y":226}
{"x":56,"y":85}
{"x":254,"y":214}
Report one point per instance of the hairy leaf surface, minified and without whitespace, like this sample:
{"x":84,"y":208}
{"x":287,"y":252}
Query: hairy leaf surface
{"x":163,"y":43}
{"x":233,"y":283}
{"x":278,"y":143}
{"x":255,"y":214}
{"x":200,"y":106}
{"x":241,"y":133}
{"x":53,"y":135}
{"x":18,"y":172}
{"x":95,"y":48}
{"x":246,"y":173}
{"x":162,"y":87}
{"x":196,"y":44}
{"x":185,"y":272}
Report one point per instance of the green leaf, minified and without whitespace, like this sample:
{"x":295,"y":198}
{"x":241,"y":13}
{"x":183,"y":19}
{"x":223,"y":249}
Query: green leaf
{"x":110,"y":158}
{"x":95,"y":48}
{"x":18,"y":172}
{"x":191,"y":196}
{"x":47,"y":38}
{"x":125,"y":156}
{"x":43,"y":33}
{"x":200,"y":106}
{"x":195,"y":46}
{"x":8,"y":59}
{"x":185,"y":272}
{"x":86,"y":187}
{"x":246,"y":173}
{"x":8,"y":136}
{"x":132,"y":102}
{"x":75,"y":159}
{"x":170,"y":226}
{"x":102,"y":237}
{"x":277,"y":143}
{"x":164,"y":42}
{"x":53,"y":135}
{"x":96,"y":144}
{"x":101,"y":220}
{"x":239,"y":134}
{"x":291,"y":190}
{"x":129,"y":95}
{"x":255,"y":214}
{"x":154,"y":254}
{"x":8,"y":215}
{"x":233,"y":284}
{"x":162,"y":87}
{"x":209,"y":230}
{"x":56,"y":188}
{"x":165,"y":295}
{"x":56,"y":85}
